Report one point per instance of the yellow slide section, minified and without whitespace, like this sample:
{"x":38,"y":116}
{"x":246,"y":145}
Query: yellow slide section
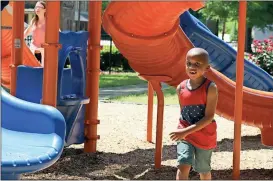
{"x":6,"y":44}
{"x":149,"y":36}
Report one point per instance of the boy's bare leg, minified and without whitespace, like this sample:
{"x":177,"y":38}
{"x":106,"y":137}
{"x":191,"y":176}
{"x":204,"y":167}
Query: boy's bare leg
{"x":205,"y":176}
{"x":183,"y":172}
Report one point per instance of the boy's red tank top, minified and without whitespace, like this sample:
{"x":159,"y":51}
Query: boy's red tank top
{"x":193,"y":110}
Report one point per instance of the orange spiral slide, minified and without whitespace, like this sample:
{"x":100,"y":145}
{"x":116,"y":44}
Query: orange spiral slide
{"x":6,"y":44}
{"x":149,"y":36}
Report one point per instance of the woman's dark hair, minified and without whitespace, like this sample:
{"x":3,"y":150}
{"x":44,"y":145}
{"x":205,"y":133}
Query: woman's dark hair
{"x":36,"y":17}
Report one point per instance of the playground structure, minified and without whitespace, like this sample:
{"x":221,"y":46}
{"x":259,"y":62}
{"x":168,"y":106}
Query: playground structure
{"x":155,"y":46}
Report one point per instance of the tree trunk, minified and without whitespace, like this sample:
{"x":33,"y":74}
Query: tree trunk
{"x":224,"y":29}
{"x":248,"y":39}
{"x":217,"y":27}
{"x":213,"y":26}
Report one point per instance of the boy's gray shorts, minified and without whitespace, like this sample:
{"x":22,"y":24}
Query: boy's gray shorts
{"x":200,"y":159}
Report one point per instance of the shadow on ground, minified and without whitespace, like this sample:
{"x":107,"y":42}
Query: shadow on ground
{"x":248,"y":143}
{"x":138,"y":164}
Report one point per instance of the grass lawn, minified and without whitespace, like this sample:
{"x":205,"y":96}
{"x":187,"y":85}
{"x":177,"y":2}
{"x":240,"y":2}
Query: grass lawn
{"x":106,"y":48}
{"x":170,"y":97}
{"x":119,"y":79}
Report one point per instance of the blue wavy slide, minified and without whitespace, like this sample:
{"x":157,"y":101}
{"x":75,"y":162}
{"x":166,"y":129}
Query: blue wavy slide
{"x":222,"y":55}
{"x":32,"y":136}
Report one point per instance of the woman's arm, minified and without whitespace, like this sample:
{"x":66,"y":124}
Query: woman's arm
{"x":27,"y":31}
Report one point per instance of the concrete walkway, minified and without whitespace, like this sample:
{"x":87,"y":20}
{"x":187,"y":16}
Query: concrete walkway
{"x":110,"y":92}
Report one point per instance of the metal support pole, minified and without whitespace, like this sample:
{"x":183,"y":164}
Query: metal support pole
{"x":159,"y":124}
{"x":93,"y":73}
{"x":239,"y":90}
{"x":150,"y":112}
{"x":51,"y":47}
{"x":17,"y":42}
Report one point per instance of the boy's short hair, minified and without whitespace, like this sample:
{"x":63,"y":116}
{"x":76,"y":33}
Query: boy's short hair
{"x":198,"y":53}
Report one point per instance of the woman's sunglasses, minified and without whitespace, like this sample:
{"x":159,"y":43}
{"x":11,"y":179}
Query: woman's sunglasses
{"x":41,"y":7}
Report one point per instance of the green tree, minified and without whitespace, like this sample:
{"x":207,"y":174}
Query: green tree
{"x":30,"y":4}
{"x":259,"y":14}
{"x":220,"y":11}
{"x":105,"y":4}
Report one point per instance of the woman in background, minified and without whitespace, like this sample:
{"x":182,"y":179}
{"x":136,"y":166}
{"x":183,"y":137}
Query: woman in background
{"x":37,"y":28}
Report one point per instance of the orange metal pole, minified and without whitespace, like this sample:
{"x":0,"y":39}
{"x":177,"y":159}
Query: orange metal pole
{"x":51,"y":46}
{"x":93,"y":73}
{"x":17,"y":41}
{"x":239,"y":90}
{"x":159,"y":124}
{"x":150,"y":111}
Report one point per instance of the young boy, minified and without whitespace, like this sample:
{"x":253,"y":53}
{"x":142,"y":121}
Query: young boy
{"x":196,"y":133}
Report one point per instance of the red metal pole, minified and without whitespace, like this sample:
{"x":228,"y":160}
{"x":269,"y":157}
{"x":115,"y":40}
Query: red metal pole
{"x":93,"y":73}
{"x":159,"y":125}
{"x":17,"y":42}
{"x":239,"y":90}
{"x":51,"y":46}
{"x":150,"y":112}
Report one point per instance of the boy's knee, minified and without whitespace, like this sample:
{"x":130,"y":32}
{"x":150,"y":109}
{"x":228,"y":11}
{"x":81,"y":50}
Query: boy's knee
{"x":205,"y":176}
{"x":205,"y":173}
{"x":183,"y":172}
{"x":184,"y":169}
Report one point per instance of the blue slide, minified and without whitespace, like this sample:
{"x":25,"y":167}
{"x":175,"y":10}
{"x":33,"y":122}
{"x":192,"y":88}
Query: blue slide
{"x":222,"y":55}
{"x":32,"y":136}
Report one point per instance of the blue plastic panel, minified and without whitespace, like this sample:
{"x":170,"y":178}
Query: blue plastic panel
{"x":71,"y":84}
{"x":223,"y":56}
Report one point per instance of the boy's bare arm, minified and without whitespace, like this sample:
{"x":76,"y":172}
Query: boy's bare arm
{"x":178,"y":89}
{"x":212,"y":98}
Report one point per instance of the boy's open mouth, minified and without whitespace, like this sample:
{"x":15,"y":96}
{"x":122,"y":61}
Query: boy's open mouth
{"x":193,"y":72}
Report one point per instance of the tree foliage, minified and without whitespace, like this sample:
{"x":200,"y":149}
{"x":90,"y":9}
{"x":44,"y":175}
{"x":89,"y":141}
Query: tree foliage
{"x":259,"y":13}
{"x":218,"y":10}
{"x":105,"y":4}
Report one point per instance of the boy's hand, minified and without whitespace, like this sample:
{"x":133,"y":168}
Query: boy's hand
{"x":177,"y":135}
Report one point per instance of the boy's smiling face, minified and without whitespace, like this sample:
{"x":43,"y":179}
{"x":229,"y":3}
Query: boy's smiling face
{"x":196,"y":63}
